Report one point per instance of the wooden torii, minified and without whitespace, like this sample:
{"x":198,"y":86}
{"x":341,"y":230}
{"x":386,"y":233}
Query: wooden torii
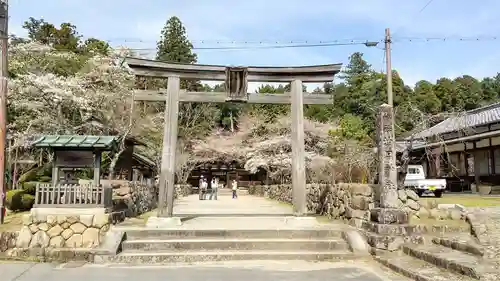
{"x":236,"y":80}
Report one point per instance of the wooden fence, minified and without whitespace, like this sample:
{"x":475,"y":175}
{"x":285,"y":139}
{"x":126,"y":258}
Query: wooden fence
{"x":72,"y":196}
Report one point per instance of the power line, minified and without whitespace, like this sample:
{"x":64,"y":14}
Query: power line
{"x":425,"y":6}
{"x":416,"y":15}
{"x":242,"y":46}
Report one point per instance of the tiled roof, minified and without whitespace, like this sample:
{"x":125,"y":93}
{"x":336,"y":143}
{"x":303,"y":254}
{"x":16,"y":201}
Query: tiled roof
{"x":402,"y":145}
{"x":473,"y":118}
{"x":144,"y":159}
{"x":75,"y":141}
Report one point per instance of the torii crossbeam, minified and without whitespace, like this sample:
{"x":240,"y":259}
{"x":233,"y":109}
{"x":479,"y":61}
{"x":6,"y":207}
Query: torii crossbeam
{"x":236,"y":80}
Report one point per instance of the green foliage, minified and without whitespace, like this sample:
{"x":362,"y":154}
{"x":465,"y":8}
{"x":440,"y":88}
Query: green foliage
{"x":30,"y":175}
{"x":30,"y":187}
{"x":63,"y":38}
{"x":354,"y":108}
{"x":174,"y":45}
{"x":19,"y":200}
{"x":45,"y":179}
{"x":96,"y":46}
{"x":352,"y":127}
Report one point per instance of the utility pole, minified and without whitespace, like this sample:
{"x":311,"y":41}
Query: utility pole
{"x":4,"y":41}
{"x":388,"y":66}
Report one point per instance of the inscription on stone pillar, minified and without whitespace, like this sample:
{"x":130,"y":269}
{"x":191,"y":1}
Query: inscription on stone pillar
{"x":386,"y":145}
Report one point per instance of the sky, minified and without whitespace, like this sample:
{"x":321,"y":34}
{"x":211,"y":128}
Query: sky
{"x":137,"y":24}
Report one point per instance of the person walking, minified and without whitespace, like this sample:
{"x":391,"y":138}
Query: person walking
{"x":215,"y":187}
{"x":235,"y":188}
{"x":203,"y":191}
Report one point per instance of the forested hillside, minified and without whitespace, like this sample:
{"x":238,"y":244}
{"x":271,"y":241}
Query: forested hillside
{"x":62,"y":84}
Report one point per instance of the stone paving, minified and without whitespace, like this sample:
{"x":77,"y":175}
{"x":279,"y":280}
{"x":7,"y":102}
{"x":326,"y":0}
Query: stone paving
{"x":225,"y":205}
{"x":489,"y":234}
{"x":230,"y":271}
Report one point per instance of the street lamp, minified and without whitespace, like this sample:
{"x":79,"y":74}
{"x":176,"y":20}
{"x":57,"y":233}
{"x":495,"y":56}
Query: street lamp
{"x":371,"y":44}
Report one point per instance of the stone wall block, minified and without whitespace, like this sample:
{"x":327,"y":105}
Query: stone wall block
{"x":61,"y":219}
{"x":75,"y":241}
{"x":24,"y":237}
{"x":33,"y":227}
{"x":27,"y":219}
{"x":43,"y":226}
{"x":67,"y":233}
{"x":90,"y":237}
{"x":72,"y":219}
{"x":78,"y":228}
{"x":55,"y":231}
{"x":51,"y":220}
{"x":40,"y":240}
{"x":87,"y":220}
{"x":101,"y":220}
{"x":56,"y":242}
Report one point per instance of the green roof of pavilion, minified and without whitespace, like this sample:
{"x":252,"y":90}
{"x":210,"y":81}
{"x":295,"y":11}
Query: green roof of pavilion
{"x":76,"y":142}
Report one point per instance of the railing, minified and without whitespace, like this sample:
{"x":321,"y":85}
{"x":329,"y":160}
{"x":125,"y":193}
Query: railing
{"x":72,"y":196}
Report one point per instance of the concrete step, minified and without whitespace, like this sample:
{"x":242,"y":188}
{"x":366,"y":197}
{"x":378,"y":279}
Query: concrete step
{"x":161,"y":234}
{"x":160,"y":257}
{"x":453,"y":260}
{"x":419,"y":270}
{"x":232,"y":244}
{"x":463,"y":244}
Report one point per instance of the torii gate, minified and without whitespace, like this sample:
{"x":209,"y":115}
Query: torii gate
{"x":236,"y":80}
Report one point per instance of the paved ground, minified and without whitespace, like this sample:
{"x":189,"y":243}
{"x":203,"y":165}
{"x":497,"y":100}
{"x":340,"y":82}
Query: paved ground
{"x":230,"y":271}
{"x":245,"y":212}
{"x":225,"y":205}
{"x":490,"y":238}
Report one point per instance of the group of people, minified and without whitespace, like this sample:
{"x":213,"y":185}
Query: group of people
{"x":211,"y":191}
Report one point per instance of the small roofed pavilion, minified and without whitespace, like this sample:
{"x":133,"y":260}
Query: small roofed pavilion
{"x":76,"y":151}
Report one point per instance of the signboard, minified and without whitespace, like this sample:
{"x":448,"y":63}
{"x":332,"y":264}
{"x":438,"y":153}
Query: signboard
{"x":74,"y":159}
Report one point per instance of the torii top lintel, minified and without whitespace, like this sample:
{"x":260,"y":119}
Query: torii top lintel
{"x":153,"y":68}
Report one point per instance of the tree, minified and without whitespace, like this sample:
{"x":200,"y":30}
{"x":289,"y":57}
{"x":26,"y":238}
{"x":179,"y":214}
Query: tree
{"x":63,"y":38}
{"x":96,"y":46}
{"x":174,"y":45}
{"x":39,"y":30}
{"x":426,"y":98}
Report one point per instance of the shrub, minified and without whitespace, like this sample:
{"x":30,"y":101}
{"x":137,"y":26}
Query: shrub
{"x":30,"y":187}
{"x":28,"y":176}
{"x":13,"y":199}
{"x":27,"y":201}
{"x":19,"y":200}
{"x":45,"y":179}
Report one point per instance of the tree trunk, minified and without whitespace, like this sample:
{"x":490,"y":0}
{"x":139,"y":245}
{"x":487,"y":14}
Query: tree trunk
{"x":232,"y":122}
{"x":112,"y":165}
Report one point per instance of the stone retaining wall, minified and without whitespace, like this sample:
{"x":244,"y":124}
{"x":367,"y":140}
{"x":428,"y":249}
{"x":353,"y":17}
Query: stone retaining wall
{"x":353,"y":201}
{"x":336,"y":201}
{"x":63,"y":231}
{"x":7,"y":241}
{"x":134,"y":198}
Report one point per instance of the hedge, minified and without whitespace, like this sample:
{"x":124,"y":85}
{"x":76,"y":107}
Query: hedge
{"x":30,"y":187}
{"x":19,"y":200}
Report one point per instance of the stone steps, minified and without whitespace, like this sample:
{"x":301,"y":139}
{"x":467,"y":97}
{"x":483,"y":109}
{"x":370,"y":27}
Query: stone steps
{"x":419,"y":270}
{"x":158,"y":246}
{"x":231,"y":233}
{"x":159,"y":257}
{"x":233,"y":244}
{"x":463,"y":244}
{"x":447,"y":258}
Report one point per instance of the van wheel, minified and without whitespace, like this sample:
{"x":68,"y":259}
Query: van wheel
{"x":438,"y":194}
{"x":419,"y":193}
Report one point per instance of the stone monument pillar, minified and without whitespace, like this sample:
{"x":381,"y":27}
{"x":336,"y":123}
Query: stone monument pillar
{"x":386,"y":144}
{"x":387,"y":220}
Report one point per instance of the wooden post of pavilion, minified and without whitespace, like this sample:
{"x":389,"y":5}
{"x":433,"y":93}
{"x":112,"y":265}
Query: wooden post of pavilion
{"x":236,"y":80}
